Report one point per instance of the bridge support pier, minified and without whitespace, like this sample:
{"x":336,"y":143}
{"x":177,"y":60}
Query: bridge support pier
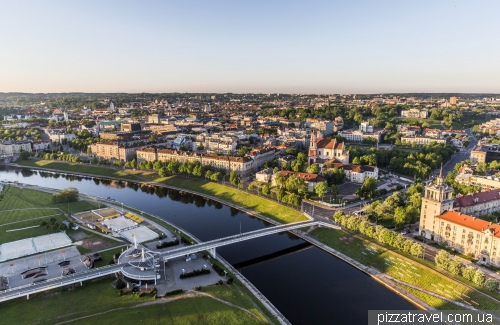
{"x":81,"y":283}
{"x":212,"y":252}
{"x":27,"y":297}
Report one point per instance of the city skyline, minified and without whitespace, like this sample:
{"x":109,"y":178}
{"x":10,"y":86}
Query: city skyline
{"x":259,"y":47}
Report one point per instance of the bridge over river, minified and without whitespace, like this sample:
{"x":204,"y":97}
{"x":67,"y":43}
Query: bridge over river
{"x":209,"y":246}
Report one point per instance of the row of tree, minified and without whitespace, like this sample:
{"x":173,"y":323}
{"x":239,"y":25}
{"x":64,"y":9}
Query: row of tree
{"x":455,"y":266}
{"x":380,"y":233}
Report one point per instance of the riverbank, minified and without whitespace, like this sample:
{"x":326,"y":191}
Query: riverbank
{"x":230,"y":196}
{"x":356,"y":259}
{"x":247,"y":289}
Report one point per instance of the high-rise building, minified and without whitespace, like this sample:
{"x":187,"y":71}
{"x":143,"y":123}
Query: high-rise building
{"x":453,"y":100}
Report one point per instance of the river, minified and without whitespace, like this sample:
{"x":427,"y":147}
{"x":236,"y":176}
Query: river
{"x":308,"y":285}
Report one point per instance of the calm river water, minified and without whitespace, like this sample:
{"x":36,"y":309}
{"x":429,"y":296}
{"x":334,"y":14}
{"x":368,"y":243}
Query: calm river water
{"x":309,"y":286}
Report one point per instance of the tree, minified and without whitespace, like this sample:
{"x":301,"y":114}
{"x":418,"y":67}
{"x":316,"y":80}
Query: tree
{"x":356,"y":161}
{"x":334,"y":189}
{"x":296,"y":185}
{"x":24,"y":155}
{"x":321,"y":189}
{"x":368,"y":188}
{"x":481,"y":168}
{"x":393,"y":201}
{"x":442,"y":259}
{"x":491,"y":284}
{"x":313,"y":169}
{"x":280,"y":193}
{"x":266,"y":190}
{"x":298,"y":164}
{"x":233,"y":177}
{"x":337,"y":216}
{"x":401,"y":218}
{"x":417,"y":250}
{"x":456,"y":266}
{"x":66,"y":195}
{"x":469,"y":272}
{"x":162,"y":172}
{"x":479,"y":277}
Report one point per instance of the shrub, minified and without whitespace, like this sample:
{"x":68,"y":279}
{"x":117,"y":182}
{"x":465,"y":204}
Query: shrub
{"x":218,"y":269}
{"x":141,"y":294}
{"x":491,"y":284}
{"x":120,"y":284}
{"x":197,"y":288}
{"x":173,"y":292}
{"x":194,"y":273}
{"x":219,"y":282}
{"x":167,"y":244}
{"x":229,"y":281}
{"x":185,"y":241}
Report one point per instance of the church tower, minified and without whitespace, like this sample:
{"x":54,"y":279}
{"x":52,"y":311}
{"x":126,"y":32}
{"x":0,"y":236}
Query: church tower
{"x":313,"y":148}
{"x":436,"y":200}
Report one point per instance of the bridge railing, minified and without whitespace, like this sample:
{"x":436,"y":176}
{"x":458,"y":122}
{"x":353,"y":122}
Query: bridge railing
{"x":97,"y":271}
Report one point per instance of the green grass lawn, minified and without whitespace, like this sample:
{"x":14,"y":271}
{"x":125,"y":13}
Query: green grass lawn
{"x":99,"y":296}
{"x":431,"y":300}
{"x":241,"y":198}
{"x":22,"y":208}
{"x":15,"y":198}
{"x":77,"y":168}
{"x":368,"y":253}
{"x":196,"y":310}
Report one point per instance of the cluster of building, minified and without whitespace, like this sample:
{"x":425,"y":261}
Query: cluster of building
{"x":365,"y":131}
{"x":485,"y":153}
{"x":411,"y":134}
{"x":491,"y":127}
{"x":455,"y":221}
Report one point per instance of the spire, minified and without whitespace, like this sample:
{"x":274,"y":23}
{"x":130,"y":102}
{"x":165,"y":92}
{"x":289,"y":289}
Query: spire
{"x":439,"y":179}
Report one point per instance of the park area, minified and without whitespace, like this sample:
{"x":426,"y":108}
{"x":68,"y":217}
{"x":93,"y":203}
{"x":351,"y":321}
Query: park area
{"x":86,"y":304}
{"x":408,"y":271}
{"x":30,"y":223}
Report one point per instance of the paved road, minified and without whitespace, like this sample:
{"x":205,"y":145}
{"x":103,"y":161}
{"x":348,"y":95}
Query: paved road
{"x":464,"y":154}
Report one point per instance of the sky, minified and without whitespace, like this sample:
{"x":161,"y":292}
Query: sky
{"x":258,"y":46}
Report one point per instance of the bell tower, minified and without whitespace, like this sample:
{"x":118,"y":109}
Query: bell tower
{"x":313,"y":148}
{"x":437,"y":199}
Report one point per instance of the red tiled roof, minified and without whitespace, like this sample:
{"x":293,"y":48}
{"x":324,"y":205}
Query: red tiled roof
{"x":305,"y":176}
{"x":478,"y":198}
{"x":470,"y":222}
{"x":325,"y":143}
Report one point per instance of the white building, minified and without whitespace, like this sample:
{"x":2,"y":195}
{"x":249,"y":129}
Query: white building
{"x":11,"y":147}
{"x":357,"y":173}
{"x":421,"y":140}
{"x":57,"y":135}
{"x":365,"y":131}
{"x":415,"y":113}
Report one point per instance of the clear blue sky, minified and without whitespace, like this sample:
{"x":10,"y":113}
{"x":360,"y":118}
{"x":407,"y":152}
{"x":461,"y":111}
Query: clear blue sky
{"x":250,"y":46}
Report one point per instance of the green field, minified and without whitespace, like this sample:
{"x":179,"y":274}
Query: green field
{"x":22,"y":208}
{"x":370,"y":254}
{"x":431,"y":300}
{"x":77,"y":168}
{"x":99,"y":296}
